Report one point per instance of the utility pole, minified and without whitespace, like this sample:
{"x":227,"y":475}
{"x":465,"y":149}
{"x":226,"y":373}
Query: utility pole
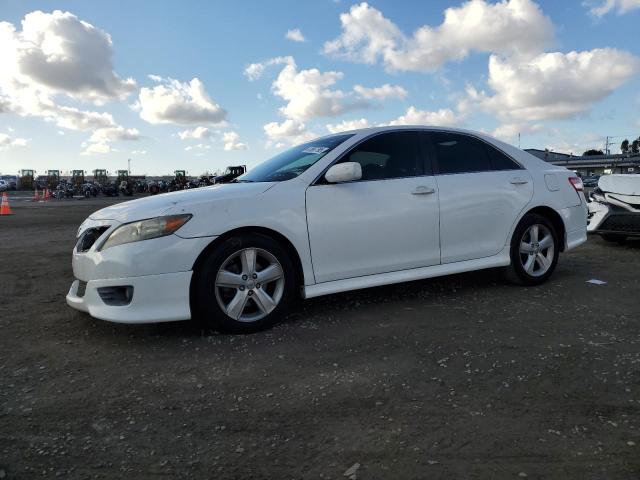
{"x":129,"y":165}
{"x":607,"y":143}
{"x":518,"y":139}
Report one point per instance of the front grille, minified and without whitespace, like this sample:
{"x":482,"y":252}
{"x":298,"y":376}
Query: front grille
{"x":89,"y":237}
{"x":621,"y":222}
{"x":82,"y":288}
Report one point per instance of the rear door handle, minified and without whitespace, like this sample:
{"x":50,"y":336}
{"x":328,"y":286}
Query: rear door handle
{"x":422,"y":190}
{"x":519,"y":181}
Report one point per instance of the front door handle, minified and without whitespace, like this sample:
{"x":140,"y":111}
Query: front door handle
{"x":422,"y":190}
{"x":519,"y":181}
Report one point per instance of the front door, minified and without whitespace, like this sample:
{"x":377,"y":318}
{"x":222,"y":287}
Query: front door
{"x":385,"y":222}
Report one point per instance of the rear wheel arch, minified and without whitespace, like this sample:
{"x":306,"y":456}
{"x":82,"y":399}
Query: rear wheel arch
{"x":554,"y":217}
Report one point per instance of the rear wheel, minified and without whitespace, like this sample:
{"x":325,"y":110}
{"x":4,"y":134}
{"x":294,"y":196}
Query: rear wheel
{"x":244,"y":285}
{"x":534,"y":251}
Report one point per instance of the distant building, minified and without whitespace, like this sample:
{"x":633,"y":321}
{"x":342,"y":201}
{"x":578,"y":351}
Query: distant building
{"x":591,"y":165}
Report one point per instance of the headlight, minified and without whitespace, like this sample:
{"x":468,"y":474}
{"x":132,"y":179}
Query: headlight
{"x":145,"y":230}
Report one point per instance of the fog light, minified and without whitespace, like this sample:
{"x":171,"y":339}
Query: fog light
{"x":116,"y":296}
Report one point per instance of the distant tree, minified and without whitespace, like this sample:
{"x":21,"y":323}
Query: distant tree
{"x":624,"y":146}
{"x":592,"y":152}
{"x":635,"y":146}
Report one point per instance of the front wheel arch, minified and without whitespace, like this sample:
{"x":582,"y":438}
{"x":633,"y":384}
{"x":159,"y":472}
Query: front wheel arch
{"x":278,"y":237}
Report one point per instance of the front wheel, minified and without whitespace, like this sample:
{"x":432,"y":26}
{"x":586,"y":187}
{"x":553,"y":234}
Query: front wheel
{"x":244,"y":285}
{"x":534,"y":251}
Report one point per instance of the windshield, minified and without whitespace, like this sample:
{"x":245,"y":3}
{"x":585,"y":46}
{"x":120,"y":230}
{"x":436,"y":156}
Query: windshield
{"x":291,"y":163}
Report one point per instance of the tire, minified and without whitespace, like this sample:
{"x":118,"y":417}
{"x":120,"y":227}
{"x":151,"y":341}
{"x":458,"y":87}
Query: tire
{"x":531,"y":262}
{"x":225,"y":279}
{"x":614,"y":238}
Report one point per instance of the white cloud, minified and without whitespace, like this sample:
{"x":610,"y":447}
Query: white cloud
{"x":602,"y":7}
{"x":414,"y":116}
{"x":231,"y":141}
{"x":553,"y":85}
{"x":289,"y":131}
{"x":138,"y":152}
{"x":295,"y":35}
{"x":113,"y":134}
{"x":508,"y":132}
{"x":381,"y":93}
{"x":179,"y":103}
{"x":507,"y":27}
{"x":199,"y":146}
{"x":96,"y":148}
{"x":57,"y":53}
{"x":346,"y":125}
{"x":197,"y":133}
{"x":6,"y":141}
{"x":255,"y":70}
{"x":309,"y":94}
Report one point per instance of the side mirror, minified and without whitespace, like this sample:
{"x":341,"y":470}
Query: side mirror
{"x":344,"y":172}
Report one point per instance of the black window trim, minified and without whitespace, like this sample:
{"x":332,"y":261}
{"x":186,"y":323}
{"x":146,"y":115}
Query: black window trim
{"x":434,"y":155}
{"x":425,"y":152}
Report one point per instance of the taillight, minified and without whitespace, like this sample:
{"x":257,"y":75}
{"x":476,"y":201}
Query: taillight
{"x":577,"y":183}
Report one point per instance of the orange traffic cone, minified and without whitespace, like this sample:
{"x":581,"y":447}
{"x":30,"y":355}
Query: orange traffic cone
{"x":36,"y":197}
{"x":5,"y":209}
{"x":46,"y":194}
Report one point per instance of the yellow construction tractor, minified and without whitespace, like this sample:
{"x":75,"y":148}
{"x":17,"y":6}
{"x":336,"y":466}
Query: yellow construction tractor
{"x":26,"y":179}
{"x":77,"y":179}
{"x":53,"y":179}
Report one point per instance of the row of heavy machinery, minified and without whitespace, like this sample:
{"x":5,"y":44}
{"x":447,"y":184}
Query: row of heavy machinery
{"x":78,"y":184}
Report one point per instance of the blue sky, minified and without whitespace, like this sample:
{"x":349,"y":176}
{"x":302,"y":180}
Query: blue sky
{"x":202,"y":85}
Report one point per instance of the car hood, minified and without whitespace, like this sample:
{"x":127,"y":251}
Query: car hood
{"x":621,"y":184}
{"x":165,"y":203}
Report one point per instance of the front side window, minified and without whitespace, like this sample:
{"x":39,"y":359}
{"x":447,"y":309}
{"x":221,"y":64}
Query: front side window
{"x":388,"y":155}
{"x":458,"y":153}
{"x":292,"y":162}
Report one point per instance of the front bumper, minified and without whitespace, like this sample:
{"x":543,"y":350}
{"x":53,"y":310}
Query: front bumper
{"x":606,"y":220}
{"x":159,"y":271}
{"x":156,"y":298}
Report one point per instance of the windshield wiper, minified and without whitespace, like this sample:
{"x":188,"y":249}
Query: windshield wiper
{"x":235,"y":180}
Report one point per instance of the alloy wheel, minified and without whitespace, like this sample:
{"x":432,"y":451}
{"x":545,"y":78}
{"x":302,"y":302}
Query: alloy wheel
{"x":249,"y":284}
{"x":537,"y":249}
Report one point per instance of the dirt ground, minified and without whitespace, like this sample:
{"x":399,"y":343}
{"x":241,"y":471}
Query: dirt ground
{"x":458,"y":377}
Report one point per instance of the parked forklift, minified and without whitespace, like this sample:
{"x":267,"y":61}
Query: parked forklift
{"x":125,"y":185}
{"x":26,"y":179}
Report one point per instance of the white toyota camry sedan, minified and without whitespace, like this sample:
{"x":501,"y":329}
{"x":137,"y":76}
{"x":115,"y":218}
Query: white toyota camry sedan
{"x":347,"y":211}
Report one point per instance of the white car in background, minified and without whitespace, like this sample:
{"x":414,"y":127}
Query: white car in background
{"x":4,"y":185}
{"x":347,"y":211}
{"x":614,"y":209}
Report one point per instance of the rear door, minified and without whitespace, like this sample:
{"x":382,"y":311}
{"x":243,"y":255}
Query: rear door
{"x":385,"y":222}
{"x":482,"y":192}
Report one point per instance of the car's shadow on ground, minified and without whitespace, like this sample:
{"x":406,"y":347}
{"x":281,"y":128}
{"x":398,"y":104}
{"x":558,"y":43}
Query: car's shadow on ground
{"x":422,"y":293}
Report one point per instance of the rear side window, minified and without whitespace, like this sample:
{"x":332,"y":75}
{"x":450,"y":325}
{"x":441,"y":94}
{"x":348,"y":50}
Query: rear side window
{"x":456,"y":153}
{"x":388,"y":155}
{"x":499,"y":161}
